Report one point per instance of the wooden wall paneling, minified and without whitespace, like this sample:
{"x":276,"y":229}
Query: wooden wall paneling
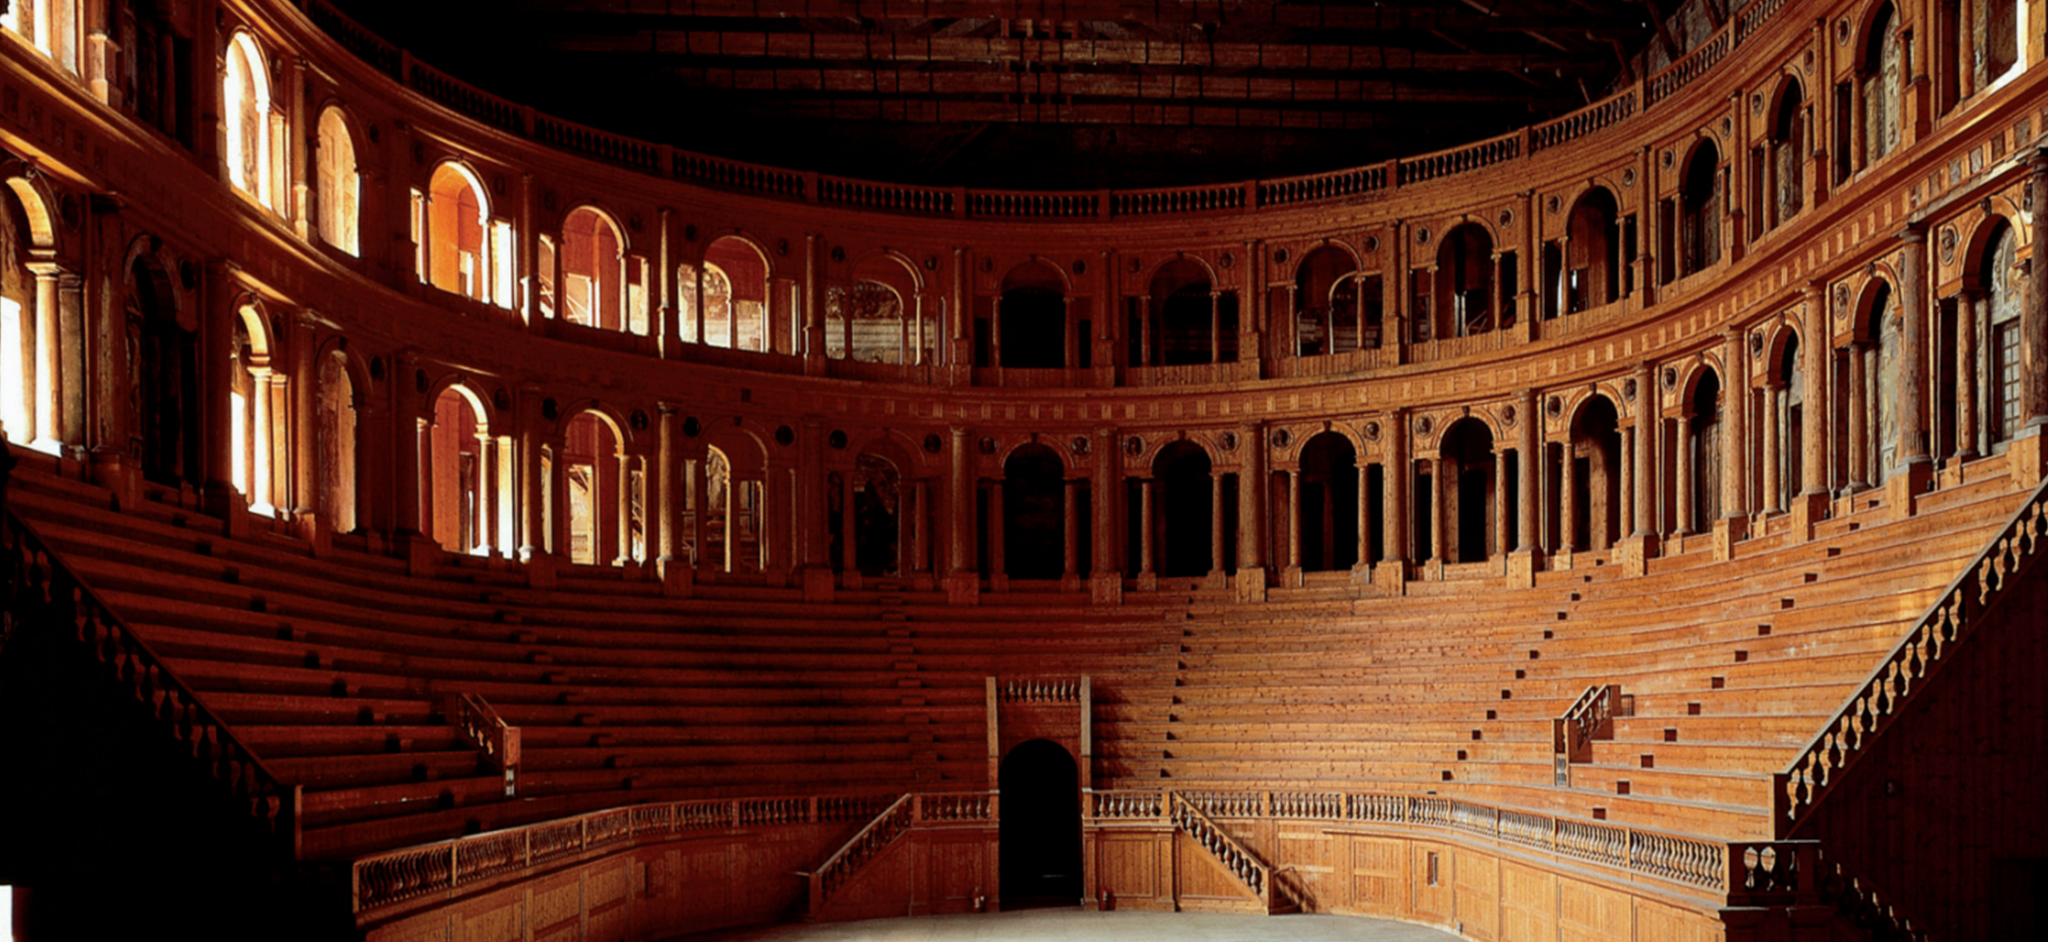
{"x":1135,"y":867}
{"x":958,"y":867}
{"x":884,"y":887}
{"x":1435,"y":902}
{"x":1477,"y":879}
{"x":1528,"y":904}
{"x":1588,"y":913}
{"x":1303,"y":852}
{"x":1379,"y":876}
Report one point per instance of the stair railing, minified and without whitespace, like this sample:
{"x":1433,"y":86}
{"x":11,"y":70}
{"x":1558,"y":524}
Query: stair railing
{"x":483,"y":728}
{"x":43,"y":590}
{"x":865,"y":845}
{"x":1590,"y":717}
{"x":1799,"y":873}
{"x":1883,"y":696}
{"x":1234,"y":857}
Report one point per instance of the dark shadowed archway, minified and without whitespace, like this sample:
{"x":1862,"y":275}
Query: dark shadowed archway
{"x":1040,"y":832}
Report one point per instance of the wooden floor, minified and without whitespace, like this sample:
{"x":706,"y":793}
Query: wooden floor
{"x":1068,"y":925}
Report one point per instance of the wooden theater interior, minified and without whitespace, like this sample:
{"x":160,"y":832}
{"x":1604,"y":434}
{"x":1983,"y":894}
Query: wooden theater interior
{"x":616,"y":469}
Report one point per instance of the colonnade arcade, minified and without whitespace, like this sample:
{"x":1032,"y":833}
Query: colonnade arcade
{"x":1355,"y":399}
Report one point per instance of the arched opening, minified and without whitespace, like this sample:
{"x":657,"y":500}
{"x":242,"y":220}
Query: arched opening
{"x":339,"y":475}
{"x":597,"y":275}
{"x":1877,"y":353}
{"x":602,"y":493}
{"x":1468,"y":484}
{"x":1879,"y":84}
{"x":1039,"y":835}
{"x":1786,"y":402}
{"x":1034,"y":513}
{"x":1031,"y":318}
{"x":1182,"y":518}
{"x":257,"y":427}
{"x":1703,"y":426}
{"x":734,"y":501}
{"x":248,"y":149}
{"x":17,"y":326}
{"x":1336,"y":307}
{"x":1466,"y":294}
{"x":1700,"y":210}
{"x":1595,"y":476}
{"x":164,"y":376}
{"x":878,"y":515}
{"x":454,"y":246}
{"x":1329,"y":503}
{"x":735,"y":297}
{"x":1781,"y":193}
{"x":2002,"y":285}
{"x":1593,"y":261}
{"x":339,"y":198}
{"x":1189,"y":312}
{"x":458,"y":460}
{"x":888,"y":321}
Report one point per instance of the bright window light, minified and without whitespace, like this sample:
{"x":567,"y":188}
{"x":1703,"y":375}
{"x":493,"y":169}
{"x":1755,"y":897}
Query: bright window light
{"x":13,"y":397}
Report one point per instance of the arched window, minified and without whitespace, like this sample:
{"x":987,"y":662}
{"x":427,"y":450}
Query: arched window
{"x":1191,"y":316}
{"x":17,"y":325}
{"x":1030,"y":328}
{"x":1780,"y":178}
{"x":1593,"y":260}
{"x":1034,"y":513}
{"x":250,"y":152}
{"x":1466,"y":293}
{"x":1703,"y":426}
{"x":1880,"y":354}
{"x":1328,"y":492}
{"x":595,"y":273}
{"x":1336,"y":307}
{"x":1700,"y":211}
{"x":461,"y":248}
{"x":1593,"y":479}
{"x":1880,"y":83}
{"x":603,"y":492}
{"x":1183,"y":504}
{"x":879,"y":318}
{"x":163,"y":365}
{"x":1469,"y":490}
{"x":50,"y":25}
{"x":338,"y":472}
{"x":735,"y":298}
{"x":340,"y":184}
{"x":467,"y":498}
{"x":258,"y":428}
{"x":1785,"y":399}
{"x":1999,"y":325}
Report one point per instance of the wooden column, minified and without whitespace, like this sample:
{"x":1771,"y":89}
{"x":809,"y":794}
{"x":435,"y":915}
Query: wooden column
{"x":2034,"y":311}
{"x":1294,"y":518}
{"x":1859,"y":418}
{"x":848,"y":539}
{"x":487,"y":492}
{"x":1568,"y":501}
{"x":1969,"y":313}
{"x":1501,"y":542}
{"x":1528,"y":464}
{"x":305,"y":421}
{"x":1912,"y":444}
{"x":1215,"y":523}
{"x":1683,"y":525}
{"x":1070,"y":527}
{"x":47,"y":396}
{"x":532,"y":516}
{"x":1252,"y":490}
{"x":1145,"y":502}
{"x":1734,"y":426}
{"x":961,"y":488}
{"x":624,"y":495}
{"x":921,"y":531}
{"x":1773,"y":435}
{"x":1437,"y":476}
{"x":1648,"y":423}
{"x":1816,"y":424}
{"x":1395,"y":481}
{"x":667,"y":497}
{"x":1364,"y":557}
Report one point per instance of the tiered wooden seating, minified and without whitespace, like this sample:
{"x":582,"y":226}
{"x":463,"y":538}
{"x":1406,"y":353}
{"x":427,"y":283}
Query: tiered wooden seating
{"x":1732,"y":666}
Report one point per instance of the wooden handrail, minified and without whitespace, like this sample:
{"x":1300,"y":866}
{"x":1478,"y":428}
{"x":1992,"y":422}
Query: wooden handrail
{"x":41,"y":589}
{"x":1799,"y":873}
{"x":1882,"y":696}
{"x":1589,"y":718}
{"x":869,"y":841}
{"x":1234,"y":857}
{"x":483,"y":728}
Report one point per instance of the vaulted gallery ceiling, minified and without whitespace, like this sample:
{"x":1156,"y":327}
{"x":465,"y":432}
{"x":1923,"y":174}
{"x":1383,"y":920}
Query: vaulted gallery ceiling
{"x":1036,"y":95}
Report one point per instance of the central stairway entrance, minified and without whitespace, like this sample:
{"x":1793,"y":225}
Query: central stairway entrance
{"x":1040,"y":826}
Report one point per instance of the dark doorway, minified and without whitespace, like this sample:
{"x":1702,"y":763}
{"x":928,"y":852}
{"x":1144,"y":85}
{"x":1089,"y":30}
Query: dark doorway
{"x":1183,"y":510}
{"x":1034,"y":509}
{"x":1040,"y":835}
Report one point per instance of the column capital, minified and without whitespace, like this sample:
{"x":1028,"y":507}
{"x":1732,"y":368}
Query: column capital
{"x":1912,"y":232}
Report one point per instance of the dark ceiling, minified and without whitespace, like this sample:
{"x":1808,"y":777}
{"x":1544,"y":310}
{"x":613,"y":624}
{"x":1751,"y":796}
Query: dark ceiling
{"x":1035,"y":95}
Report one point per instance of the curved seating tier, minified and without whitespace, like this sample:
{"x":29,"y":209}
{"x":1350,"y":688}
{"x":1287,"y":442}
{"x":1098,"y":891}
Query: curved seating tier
{"x":335,"y":667}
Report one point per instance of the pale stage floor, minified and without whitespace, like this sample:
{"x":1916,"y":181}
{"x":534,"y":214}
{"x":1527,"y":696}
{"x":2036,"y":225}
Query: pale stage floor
{"x":1070,"y":925}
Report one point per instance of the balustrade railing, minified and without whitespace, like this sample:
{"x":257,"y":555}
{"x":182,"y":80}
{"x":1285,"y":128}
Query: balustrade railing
{"x":483,"y":728}
{"x":934,"y":201}
{"x":45,"y":593}
{"x":1912,"y":663}
{"x":1686,"y":860}
{"x":1040,"y":690}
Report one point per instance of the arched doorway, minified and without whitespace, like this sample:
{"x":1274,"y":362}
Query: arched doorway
{"x":1468,"y":483}
{"x":1040,"y":831}
{"x":1034,"y":509}
{"x":877,"y":508}
{"x":1184,"y":510}
{"x":1700,"y":208}
{"x":338,"y":473}
{"x":1465,"y":293}
{"x":1596,"y":476}
{"x":1703,"y":422}
{"x":165,"y":362}
{"x":1329,"y":503}
{"x":1593,"y":254}
{"x":1031,"y":318}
